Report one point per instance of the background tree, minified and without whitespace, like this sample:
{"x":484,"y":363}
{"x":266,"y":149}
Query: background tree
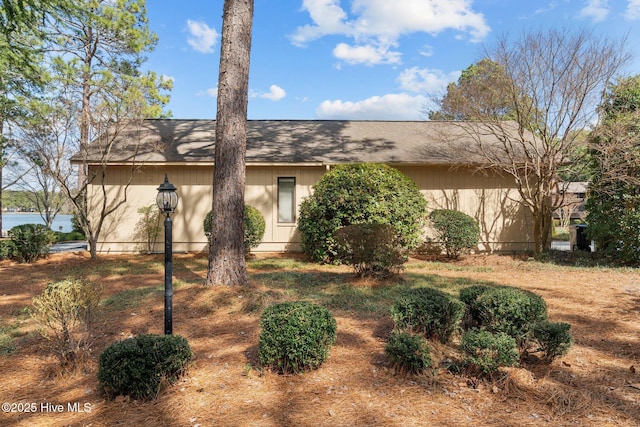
{"x":22,"y":40}
{"x":614,"y":194}
{"x":226,"y":249}
{"x":97,"y":90}
{"x":554,"y":81}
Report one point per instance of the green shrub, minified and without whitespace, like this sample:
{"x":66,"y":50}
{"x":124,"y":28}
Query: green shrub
{"x":486,"y":351}
{"x":428,"y":311}
{"x":64,"y":314}
{"x":254,"y":227}
{"x":371,"y":249}
{"x":138,"y":366}
{"x":31,"y":241}
{"x":408,"y":353}
{"x":553,"y":339}
{"x":7,"y":249}
{"x":295,"y":336}
{"x":67,"y":237}
{"x":355,"y":194}
{"x":76,"y":227}
{"x":511,"y":310}
{"x":456,"y":231}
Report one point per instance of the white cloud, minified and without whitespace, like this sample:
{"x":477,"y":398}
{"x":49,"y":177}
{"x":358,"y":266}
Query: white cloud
{"x":375,"y":24}
{"x":275,"y":93}
{"x":597,"y":10}
{"x":424,"y":80}
{"x":212,"y":92}
{"x":400,"y":106}
{"x":202,"y":37}
{"x":633,"y":10}
{"x":367,"y":54}
{"x":165,"y":78}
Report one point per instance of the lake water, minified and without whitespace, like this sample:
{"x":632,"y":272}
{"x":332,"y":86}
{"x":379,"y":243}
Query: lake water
{"x":60,"y":223}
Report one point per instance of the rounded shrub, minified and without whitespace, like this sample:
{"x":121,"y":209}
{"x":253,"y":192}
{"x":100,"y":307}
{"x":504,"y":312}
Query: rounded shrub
{"x":296,"y":336}
{"x":31,"y":241}
{"x":355,"y":194}
{"x":408,"y":353}
{"x":486,"y":351}
{"x":456,"y":231}
{"x":553,"y":339}
{"x":428,"y":311}
{"x":138,"y":366}
{"x":371,"y":249}
{"x":254,"y":227}
{"x":511,"y":310}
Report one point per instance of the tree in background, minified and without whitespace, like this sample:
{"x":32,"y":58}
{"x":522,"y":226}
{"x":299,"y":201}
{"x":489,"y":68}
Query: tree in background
{"x":227,"y":264}
{"x":614,"y":194}
{"x":554,"y":80}
{"x":97,"y":90}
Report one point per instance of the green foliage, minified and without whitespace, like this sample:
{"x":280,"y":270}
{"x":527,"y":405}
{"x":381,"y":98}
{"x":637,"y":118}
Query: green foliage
{"x":76,"y":226}
{"x":355,"y":194}
{"x":455,"y":230}
{"x":486,"y":351}
{"x":428,"y":311}
{"x":147,"y":228}
{"x":613,"y":204}
{"x":7,"y":249}
{"x":254,"y":227}
{"x":371,"y":249}
{"x":31,"y":241}
{"x":510,"y":310}
{"x":408,"y":353}
{"x":296,"y":336}
{"x":553,"y":339}
{"x":139,"y":366}
{"x":64,"y":313}
{"x":67,"y":237}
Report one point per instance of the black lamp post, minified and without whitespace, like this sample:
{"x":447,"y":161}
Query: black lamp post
{"x":167,"y":200}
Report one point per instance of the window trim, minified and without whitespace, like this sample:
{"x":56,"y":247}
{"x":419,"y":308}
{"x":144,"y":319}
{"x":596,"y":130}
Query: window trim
{"x":293,"y":199}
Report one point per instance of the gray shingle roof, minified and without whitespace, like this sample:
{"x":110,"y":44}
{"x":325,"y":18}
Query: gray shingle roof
{"x":300,"y":141}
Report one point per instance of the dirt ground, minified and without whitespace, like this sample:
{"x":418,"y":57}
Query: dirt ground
{"x":597,"y":383}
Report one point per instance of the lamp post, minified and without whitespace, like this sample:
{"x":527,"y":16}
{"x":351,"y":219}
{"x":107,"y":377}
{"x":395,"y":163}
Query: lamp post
{"x":167,"y":200}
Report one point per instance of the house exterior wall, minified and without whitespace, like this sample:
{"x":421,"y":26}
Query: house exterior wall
{"x":489,"y":199}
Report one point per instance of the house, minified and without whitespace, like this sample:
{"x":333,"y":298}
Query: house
{"x":284,"y":159}
{"x":574,"y":199}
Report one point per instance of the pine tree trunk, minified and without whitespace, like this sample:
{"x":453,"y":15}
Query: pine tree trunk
{"x":226,"y":249}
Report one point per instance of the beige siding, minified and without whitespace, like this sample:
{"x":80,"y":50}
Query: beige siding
{"x":489,"y":199}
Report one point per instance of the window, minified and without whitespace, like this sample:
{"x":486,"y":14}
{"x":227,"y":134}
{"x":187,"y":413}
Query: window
{"x":286,"y":199}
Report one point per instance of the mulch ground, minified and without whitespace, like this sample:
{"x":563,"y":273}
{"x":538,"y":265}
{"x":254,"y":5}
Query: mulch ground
{"x":596,"y":383}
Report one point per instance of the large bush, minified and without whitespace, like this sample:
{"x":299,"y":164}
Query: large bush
{"x":510,"y":310}
{"x":455,"y":231}
{"x":428,"y":311}
{"x":138,"y":366}
{"x":296,"y":336}
{"x":31,"y":241}
{"x":254,"y":227}
{"x":64,"y":314}
{"x":355,"y":194}
{"x":371,"y":249}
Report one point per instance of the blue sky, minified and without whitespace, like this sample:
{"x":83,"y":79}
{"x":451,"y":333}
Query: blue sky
{"x":356,"y":59}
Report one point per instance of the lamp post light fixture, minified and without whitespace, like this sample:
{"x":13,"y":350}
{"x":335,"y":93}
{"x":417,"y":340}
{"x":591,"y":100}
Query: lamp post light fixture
{"x":167,"y":200}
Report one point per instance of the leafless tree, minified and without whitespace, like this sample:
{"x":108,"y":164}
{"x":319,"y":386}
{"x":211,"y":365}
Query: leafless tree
{"x":226,"y":249}
{"x":556,"y":80}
